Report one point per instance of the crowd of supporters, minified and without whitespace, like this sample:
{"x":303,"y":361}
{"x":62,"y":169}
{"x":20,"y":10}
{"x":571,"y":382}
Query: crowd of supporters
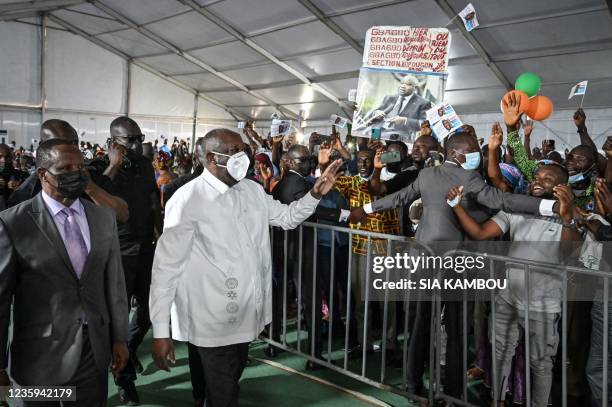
{"x":457,"y":189}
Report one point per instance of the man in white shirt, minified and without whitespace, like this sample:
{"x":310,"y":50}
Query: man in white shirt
{"x":212,"y":273}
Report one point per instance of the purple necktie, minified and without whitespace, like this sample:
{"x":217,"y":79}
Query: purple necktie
{"x":74,"y":242}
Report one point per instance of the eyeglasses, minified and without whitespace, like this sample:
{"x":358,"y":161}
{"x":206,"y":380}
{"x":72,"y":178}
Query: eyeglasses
{"x":134,"y":138}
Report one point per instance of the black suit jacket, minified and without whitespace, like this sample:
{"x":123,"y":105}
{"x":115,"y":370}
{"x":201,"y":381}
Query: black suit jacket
{"x":50,"y":302}
{"x":291,"y":188}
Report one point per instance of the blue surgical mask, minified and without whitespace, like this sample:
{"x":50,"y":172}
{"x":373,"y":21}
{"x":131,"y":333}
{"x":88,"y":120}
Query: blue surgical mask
{"x":581,"y":176}
{"x":472,"y":161}
{"x":576,"y":178}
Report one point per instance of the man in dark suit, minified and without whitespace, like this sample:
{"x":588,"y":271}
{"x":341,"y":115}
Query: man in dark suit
{"x":126,"y":173}
{"x":403,"y":112}
{"x":291,"y":188}
{"x":61,"y":269}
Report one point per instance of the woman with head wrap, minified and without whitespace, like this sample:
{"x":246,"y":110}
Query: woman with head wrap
{"x":263,"y":170}
{"x":163,"y":167}
{"x":513,"y":178}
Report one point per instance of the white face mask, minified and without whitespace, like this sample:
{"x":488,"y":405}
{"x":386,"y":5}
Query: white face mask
{"x":237,"y":165}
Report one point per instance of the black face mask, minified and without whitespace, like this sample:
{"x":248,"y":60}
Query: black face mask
{"x":394,"y":167}
{"x":72,"y":184}
{"x":134,"y":152}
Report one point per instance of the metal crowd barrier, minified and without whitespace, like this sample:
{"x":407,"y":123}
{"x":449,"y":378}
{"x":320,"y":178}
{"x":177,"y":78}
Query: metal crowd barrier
{"x":435,"y":390}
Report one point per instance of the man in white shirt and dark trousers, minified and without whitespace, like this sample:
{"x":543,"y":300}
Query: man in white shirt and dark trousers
{"x":213,"y":270}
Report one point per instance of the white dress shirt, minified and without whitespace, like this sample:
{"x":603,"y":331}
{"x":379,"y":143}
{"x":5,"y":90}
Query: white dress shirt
{"x":212,"y":273}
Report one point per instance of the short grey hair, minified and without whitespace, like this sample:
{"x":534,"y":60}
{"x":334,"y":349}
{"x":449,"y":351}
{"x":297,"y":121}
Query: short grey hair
{"x":210,"y":142}
{"x":411,"y":80}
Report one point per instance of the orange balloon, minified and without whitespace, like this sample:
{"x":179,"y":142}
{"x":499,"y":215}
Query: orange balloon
{"x":540,"y":108}
{"x":524,"y":100}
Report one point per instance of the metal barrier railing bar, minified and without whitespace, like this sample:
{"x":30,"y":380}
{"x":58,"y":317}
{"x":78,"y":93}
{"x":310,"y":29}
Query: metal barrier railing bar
{"x":427,"y":309}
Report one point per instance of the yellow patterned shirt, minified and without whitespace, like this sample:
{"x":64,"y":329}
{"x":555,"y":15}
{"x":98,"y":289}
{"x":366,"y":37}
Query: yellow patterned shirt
{"x":355,"y":191}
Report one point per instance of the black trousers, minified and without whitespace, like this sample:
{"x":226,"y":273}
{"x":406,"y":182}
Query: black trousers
{"x":91,"y":383}
{"x":137,"y":270}
{"x":222,"y":367}
{"x":196,"y":374}
{"x":420,"y":342}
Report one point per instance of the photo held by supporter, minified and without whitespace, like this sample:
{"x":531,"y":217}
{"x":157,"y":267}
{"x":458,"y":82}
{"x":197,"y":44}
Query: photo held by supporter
{"x":217,"y":224}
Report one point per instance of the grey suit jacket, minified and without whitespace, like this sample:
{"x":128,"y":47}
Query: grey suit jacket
{"x":438,"y":222}
{"x":49,"y":301}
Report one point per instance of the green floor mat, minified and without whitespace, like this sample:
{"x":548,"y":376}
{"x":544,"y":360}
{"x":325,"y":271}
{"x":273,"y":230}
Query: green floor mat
{"x":261,"y":384}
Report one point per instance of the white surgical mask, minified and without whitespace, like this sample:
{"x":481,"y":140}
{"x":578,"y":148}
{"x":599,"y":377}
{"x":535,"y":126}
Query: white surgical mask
{"x":237,"y":165}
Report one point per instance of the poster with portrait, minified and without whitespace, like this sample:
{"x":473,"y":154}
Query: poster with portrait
{"x":403,"y":75}
{"x":443,"y":120}
{"x":446,"y":125}
{"x":436,"y":112}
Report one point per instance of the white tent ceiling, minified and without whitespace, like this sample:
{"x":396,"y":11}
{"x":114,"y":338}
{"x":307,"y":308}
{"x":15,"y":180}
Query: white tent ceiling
{"x":256,"y":57}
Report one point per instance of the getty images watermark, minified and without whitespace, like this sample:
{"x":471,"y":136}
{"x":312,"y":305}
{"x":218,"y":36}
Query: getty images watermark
{"x":434,"y":272}
{"x":478,"y":271}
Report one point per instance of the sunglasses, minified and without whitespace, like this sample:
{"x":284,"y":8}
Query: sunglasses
{"x":134,"y":138}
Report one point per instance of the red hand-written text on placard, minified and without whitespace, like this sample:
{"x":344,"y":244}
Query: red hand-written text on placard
{"x":414,"y":49}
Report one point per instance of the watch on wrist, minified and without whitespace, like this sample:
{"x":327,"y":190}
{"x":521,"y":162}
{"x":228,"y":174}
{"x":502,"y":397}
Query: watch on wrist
{"x":571,"y":224}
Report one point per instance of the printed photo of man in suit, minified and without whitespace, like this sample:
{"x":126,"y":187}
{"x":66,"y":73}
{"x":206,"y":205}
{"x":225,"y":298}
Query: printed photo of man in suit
{"x":61,"y":270}
{"x":402,"y":112}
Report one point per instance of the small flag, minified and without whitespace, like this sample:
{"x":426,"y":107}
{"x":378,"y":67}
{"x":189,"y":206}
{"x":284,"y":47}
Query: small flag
{"x":338,"y":121}
{"x":468,"y":15}
{"x":578,"y":89}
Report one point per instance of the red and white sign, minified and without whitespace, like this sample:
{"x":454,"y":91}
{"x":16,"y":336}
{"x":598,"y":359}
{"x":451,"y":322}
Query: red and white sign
{"x":407,"y":49}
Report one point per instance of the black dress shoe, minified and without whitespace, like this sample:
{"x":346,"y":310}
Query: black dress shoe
{"x":357,"y":351}
{"x":272,"y":351}
{"x":312,"y":366}
{"x":128,"y":395}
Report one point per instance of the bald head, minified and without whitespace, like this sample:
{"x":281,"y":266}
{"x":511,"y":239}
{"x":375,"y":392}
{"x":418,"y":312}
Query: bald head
{"x":58,"y":129}
{"x":298,"y":151}
{"x":460,"y":142}
{"x":123,"y":126}
{"x":300,"y":160}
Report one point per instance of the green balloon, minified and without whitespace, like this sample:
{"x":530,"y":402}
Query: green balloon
{"x":529,"y":83}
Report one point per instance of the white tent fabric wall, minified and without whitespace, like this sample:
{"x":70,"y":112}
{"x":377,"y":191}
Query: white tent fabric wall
{"x":21,"y":126}
{"x":559,"y":127}
{"x":83,"y":77}
{"x":86,"y":86}
{"x":86,"y":83}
